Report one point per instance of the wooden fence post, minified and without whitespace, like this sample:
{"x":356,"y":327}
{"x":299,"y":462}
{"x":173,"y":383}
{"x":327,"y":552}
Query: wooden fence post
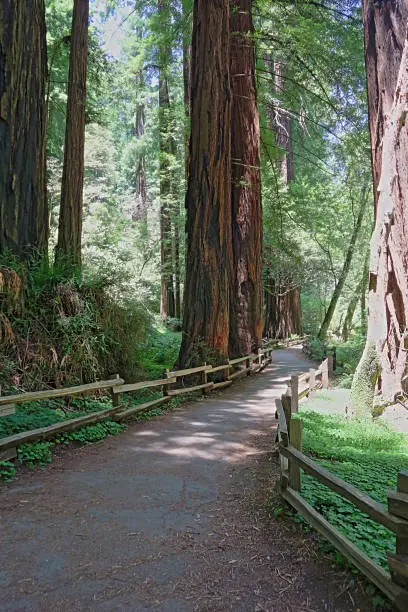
{"x":165,"y":388}
{"x":294,"y":385}
{"x":116,"y":397}
{"x":312,"y":381}
{"x":296,"y":441}
{"x":330,"y":367}
{"x":204,"y":379}
{"x":247,"y":366}
{"x":259,"y":357}
{"x":287,"y":409}
{"x":398,"y":505}
{"x":283,"y":438}
{"x":325,"y":374}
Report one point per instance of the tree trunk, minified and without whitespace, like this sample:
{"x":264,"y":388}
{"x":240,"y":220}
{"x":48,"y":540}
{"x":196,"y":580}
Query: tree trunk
{"x":208,"y":199}
{"x":346,"y":268}
{"x":68,"y":251}
{"x":246,"y":282}
{"x":167,"y":303}
{"x":384,"y":357}
{"x":358,"y":295}
{"x":140,"y":210}
{"x":282,"y":125}
{"x":23,"y":68}
{"x":364,"y":287}
{"x":282,"y":311}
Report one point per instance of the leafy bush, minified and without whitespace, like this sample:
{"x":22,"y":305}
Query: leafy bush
{"x":7,"y":470}
{"x":35,"y":452}
{"x":94,"y":433}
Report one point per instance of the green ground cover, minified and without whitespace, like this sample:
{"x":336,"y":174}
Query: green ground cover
{"x":366,"y":454}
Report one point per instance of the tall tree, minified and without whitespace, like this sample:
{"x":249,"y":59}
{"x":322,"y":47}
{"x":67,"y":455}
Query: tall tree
{"x":246,"y":283}
{"x":346,"y":267}
{"x":208,"y":199}
{"x":140,"y":210}
{"x":386,"y":49}
{"x":68,"y":251}
{"x":167,"y":153}
{"x":23,"y":67}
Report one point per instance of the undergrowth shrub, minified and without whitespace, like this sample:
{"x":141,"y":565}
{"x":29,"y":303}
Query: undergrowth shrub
{"x":56,"y":332}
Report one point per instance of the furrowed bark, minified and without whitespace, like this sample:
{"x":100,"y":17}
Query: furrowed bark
{"x":246,"y":282}
{"x":208,"y":199}
{"x":69,"y":244}
{"x":23,"y":69}
{"x":283,"y":316}
{"x":387,"y":64}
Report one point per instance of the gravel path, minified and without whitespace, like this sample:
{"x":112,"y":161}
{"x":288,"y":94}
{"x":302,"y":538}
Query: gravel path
{"x":171,"y":515}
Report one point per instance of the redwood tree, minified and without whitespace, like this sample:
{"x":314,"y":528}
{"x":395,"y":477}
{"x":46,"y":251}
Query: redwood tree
{"x":208,"y":199}
{"x":23,"y":67}
{"x":246,"y":281}
{"x":386,"y":50}
{"x":68,"y":252}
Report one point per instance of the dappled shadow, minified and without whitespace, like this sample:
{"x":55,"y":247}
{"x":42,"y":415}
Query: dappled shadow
{"x":103,"y":513}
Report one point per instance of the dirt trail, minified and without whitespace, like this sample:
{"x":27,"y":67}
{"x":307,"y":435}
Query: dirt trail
{"x":169,"y":516}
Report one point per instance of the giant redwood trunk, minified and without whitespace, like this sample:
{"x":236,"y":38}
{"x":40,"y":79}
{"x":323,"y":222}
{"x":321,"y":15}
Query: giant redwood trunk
{"x":283,"y":314}
{"x":23,"y":67}
{"x":68,"y":251}
{"x":208,"y":199}
{"x":384,"y":358}
{"x":246,"y":283}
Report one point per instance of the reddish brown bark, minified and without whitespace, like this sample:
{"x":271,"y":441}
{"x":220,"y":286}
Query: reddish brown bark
{"x":384,"y":34}
{"x":208,"y":199}
{"x":23,"y":68}
{"x":283,"y":315}
{"x":68,"y":251}
{"x":387,"y":64}
{"x":246,"y":282}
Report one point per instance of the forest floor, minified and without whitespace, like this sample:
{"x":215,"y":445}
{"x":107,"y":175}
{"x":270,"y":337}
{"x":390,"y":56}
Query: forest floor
{"x":175,"y":514}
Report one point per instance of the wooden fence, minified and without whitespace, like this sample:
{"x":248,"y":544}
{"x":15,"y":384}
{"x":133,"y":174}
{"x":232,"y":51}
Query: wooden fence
{"x":394,"y":583}
{"x":117,"y":387}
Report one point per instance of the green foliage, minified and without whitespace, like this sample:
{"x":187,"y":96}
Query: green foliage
{"x":7,"y":470}
{"x":94,"y":433}
{"x":160,"y":352}
{"x":366,"y":454}
{"x":35,"y":453}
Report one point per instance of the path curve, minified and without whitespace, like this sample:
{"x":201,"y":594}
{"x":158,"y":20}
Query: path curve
{"x":171,"y":516}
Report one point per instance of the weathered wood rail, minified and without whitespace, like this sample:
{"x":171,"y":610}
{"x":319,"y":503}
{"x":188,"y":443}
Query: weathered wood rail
{"x":293,"y":462}
{"x":117,"y":387}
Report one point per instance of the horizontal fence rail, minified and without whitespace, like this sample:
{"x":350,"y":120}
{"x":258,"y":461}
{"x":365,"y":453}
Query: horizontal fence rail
{"x":293,"y":462}
{"x":116,"y":387}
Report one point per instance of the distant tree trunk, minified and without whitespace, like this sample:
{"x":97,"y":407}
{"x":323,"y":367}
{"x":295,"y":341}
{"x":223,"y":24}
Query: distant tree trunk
{"x":282,"y":311}
{"x":282,"y":124}
{"x":358,"y":295}
{"x":23,"y":69}
{"x":346,"y":268}
{"x":167,"y":302}
{"x":68,"y":251}
{"x":246,"y":282}
{"x":208,"y":199}
{"x":187,"y":84}
{"x":140,"y":210}
{"x":384,"y":357}
{"x":167,"y":307}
